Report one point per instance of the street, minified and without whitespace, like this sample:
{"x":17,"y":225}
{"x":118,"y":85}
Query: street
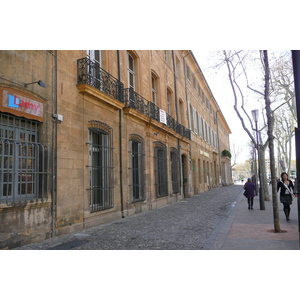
{"x":185,"y":225}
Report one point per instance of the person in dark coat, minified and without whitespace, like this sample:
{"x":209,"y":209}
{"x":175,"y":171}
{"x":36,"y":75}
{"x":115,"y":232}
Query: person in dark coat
{"x":249,"y":193}
{"x":286,"y":194}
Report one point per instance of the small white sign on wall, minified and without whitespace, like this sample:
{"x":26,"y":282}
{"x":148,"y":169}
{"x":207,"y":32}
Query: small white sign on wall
{"x":162,"y":116}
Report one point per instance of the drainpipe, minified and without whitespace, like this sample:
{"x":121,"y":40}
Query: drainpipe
{"x":120,"y":141}
{"x":176,"y":107}
{"x":54,"y":139}
{"x":186,"y":96}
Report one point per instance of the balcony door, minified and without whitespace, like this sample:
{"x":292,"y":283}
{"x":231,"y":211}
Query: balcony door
{"x":95,"y":55}
{"x":94,"y":69}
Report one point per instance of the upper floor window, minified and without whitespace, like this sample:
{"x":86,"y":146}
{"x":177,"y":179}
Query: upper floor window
{"x":95,"y":55}
{"x":131,"y":71}
{"x":189,"y":73}
{"x":177,"y":67}
{"x":154,"y":87}
{"x":168,"y":56}
{"x":169,"y":101}
{"x":94,"y":69}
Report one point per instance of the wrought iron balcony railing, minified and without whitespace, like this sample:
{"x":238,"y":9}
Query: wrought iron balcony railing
{"x":89,"y":72}
{"x":150,"y":110}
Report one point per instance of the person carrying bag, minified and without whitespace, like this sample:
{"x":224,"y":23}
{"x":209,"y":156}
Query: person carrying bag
{"x":286,"y":194}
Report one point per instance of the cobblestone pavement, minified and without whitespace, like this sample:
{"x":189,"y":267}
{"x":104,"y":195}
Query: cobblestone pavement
{"x":184,"y":225}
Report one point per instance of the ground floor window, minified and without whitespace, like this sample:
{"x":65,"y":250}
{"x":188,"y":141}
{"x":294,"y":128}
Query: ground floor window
{"x":174,"y":170}
{"x":100,"y":166}
{"x":160,"y":167}
{"x":24,"y":162}
{"x":137,"y":171}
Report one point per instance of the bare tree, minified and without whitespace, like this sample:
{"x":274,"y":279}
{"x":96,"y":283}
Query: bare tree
{"x":235,"y":152}
{"x":284,"y":131}
{"x":270,"y":121}
{"x":237,"y":74}
{"x":283,"y":93}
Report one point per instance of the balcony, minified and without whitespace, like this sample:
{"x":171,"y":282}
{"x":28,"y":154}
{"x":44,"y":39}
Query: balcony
{"x":89,"y":72}
{"x":149,"y":109}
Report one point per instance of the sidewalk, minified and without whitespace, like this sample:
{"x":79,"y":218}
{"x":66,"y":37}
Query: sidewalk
{"x":254,"y":229}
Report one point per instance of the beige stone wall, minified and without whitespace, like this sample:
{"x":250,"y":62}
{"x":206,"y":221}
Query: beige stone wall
{"x":23,"y":223}
{"x":79,"y":104}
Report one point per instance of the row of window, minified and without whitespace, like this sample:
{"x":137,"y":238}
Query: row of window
{"x":24,"y":165}
{"x":201,"y":128}
{"x":101,"y":167}
{"x":95,"y":55}
{"x":197,"y":87}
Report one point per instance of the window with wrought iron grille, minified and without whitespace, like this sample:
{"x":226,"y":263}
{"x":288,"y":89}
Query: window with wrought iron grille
{"x":160,"y":168}
{"x":137,"y":171}
{"x":24,"y":162}
{"x":174,"y":170}
{"x":100,"y":166}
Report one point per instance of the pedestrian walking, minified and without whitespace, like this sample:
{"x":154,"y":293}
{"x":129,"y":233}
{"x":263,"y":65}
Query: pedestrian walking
{"x":286,"y":194}
{"x":249,"y":193}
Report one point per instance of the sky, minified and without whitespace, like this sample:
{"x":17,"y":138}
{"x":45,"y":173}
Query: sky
{"x":220,"y":87}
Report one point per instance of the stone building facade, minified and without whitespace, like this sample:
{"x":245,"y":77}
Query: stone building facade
{"x":120,"y":132}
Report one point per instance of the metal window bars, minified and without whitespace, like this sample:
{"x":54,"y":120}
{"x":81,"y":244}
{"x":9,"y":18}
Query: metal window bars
{"x":160,"y":169}
{"x":100,"y":166}
{"x":137,"y":170}
{"x":24,"y":176}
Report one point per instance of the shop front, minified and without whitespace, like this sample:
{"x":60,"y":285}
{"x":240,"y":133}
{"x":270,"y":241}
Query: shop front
{"x":24,"y":168}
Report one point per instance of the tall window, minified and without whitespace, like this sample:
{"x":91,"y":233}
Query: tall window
{"x":100,"y":166}
{"x":180,"y":111}
{"x":177,"y":68}
{"x":168,"y":56}
{"x":200,"y":124}
{"x":169,"y":101}
{"x":95,"y":55}
{"x":94,"y":69}
{"x":154,"y":88}
{"x":23,"y":161}
{"x":174,"y":170}
{"x":160,"y":167}
{"x":131,"y":71}
{"x":136,"y":161}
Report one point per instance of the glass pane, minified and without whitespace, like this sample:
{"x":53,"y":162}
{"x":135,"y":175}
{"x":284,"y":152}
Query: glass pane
{"x":7,"y":189}
{"x":131,"y":80}
{"x":7,"y":177}
{"x":130,"y":62}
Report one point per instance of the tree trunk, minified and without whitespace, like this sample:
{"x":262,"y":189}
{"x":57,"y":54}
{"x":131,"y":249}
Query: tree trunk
{"x":263,"y":175}
{"x":270,"y":120}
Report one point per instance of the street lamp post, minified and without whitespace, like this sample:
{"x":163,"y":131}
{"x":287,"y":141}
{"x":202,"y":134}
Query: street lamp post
{"x":255,"y":113}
